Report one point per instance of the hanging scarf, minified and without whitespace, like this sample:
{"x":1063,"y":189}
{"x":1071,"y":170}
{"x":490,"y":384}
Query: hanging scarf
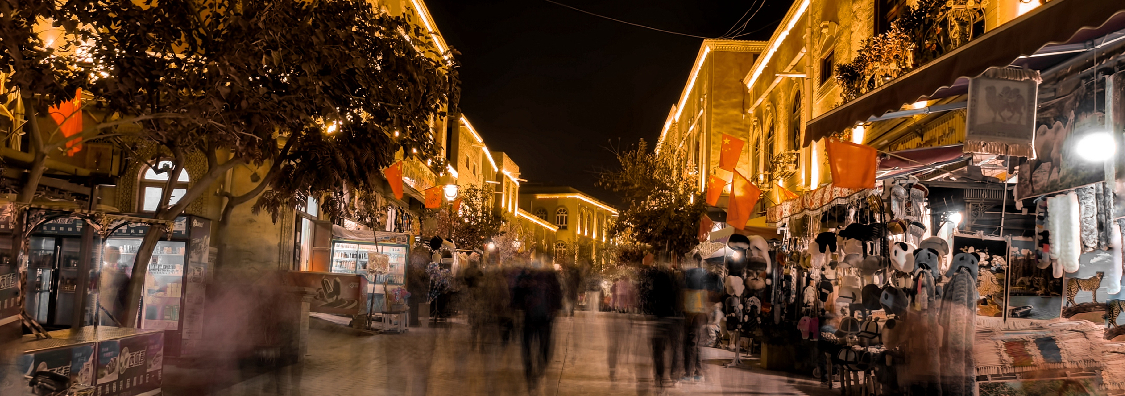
{"x":958,"y":321}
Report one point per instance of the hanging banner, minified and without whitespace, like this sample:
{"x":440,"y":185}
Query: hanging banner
{"x":743,"y":196}
{"x":433,"y":198}
{"x":715,"y":187}
{"x":394,"y":178}
{"x":1060,"y":124}
{"x":1001,"y":112}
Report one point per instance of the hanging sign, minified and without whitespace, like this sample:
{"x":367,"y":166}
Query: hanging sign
{"x":1059,"y":125}
{"x":1001,"y":112}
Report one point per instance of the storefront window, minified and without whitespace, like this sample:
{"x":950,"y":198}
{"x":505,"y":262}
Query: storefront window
{"x":303,"y":236}
{"x":153,"y":184}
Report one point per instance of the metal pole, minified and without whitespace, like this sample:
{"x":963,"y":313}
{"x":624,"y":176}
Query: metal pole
{"x":82,"y":288}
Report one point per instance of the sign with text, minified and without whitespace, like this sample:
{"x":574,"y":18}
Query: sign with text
{"x":335,"y":293}
{"x":131,"y":365}
{"x":73,"y":361}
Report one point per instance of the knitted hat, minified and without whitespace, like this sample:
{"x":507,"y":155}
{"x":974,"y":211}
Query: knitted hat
{"x":902,"y":256}
{"x":937,"y":244}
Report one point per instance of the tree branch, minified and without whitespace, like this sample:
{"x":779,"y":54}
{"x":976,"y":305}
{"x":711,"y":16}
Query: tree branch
{"x":271,"y":175}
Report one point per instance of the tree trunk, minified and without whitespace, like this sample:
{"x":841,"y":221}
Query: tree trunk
{"x":144,"y":253}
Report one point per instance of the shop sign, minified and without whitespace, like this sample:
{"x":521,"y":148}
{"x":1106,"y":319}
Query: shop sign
{"x":61,"y":226}
{"x":1060,"y":124}
{"x":73,"y":361}
{"x":179,"y":229}
{"x":1001,"y":113}
{"x":9,"y":292}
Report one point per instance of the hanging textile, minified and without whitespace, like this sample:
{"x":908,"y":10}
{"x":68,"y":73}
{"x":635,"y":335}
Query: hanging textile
{"x":715,"y":187}
{"x":743,"y":196}
{"x":958,"y":322}
{"x":1105,"y":215}
{"x":1001,"y":112}
{"x":394,"y":178}
{"x":1113,"y":273}
{"x":1063,"y":225}
{"x":1088,"y":217}
{"x":68,"y":115}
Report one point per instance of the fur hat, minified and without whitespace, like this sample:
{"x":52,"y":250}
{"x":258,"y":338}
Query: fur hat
{"x":862,"y":232}
{"x":921,"y":187}
{"x":755,"y":284}
{"x":734,"y":286}
{"x":826,"y":242}
{"x":871,"y":297}
{"x":893,"y":300}
{"x":902,"y":256}
{"x":937,"y":244}
{"x":852,"y":260}
{"x":758,"y":254}
{"x":871,"y":264}
{"x":969,"y":261}
{"x":930,"y":259}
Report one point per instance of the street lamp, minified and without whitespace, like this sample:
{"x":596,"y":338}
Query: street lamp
{"x":1097,"y":146}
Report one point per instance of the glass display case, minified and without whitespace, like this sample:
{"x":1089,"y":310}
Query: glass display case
{"x":354,"y":256}
{"x":163,"y":284}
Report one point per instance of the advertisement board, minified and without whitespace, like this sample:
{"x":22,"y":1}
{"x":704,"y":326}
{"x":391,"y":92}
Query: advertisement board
{"x":130,"y":365}
{"x":74,"y":361}
{"x":335,"y":293}
{"x":1060,"y":124}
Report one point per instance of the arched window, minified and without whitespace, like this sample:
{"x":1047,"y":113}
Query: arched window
{"x":771,"y":145}
{"x":541,"y":213}
{"x":152,"y":186}
{"x":560,"y":217}
{"x":795,"y":124}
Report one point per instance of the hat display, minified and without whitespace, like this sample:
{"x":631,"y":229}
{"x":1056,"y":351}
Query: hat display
{"x":937,"y":244}
{"x":871,"y":264}
{"x":852,"y":260}
{"x":755,"y":283}
{"x":921,"y":187}
{"x":861,"y":232}
{"x":734,"y":285}
{"x":902,"y":256}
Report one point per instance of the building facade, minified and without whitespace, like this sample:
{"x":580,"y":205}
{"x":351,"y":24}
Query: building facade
{"x":583,"y":222}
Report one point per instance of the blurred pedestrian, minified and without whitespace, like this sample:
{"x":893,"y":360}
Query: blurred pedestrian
{"x":539,"y":295}
{"x":619,"y":325}
{"x":661,"y":301}
{"x":701,"y":289}
{"x":573,"y":277}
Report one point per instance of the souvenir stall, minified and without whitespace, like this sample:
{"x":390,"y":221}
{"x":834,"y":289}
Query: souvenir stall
{"x":380,"y":259}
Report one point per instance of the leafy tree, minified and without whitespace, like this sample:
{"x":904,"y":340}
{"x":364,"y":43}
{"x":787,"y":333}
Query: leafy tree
{"x":662,"y":207}
{"x":475,"y":223}
{"x":322,"y":91}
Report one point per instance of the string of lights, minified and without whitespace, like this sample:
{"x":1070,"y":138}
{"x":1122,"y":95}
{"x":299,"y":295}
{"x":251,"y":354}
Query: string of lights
{"x":625,"y":22}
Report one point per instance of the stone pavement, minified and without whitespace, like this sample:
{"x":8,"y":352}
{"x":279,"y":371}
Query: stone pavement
{"x":441,"y":361}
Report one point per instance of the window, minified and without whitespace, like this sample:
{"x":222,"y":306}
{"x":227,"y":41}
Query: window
{"x":302,"y":238}
{"x":771,"y":144}
{"x":795,"y":124}
{"x":153,"y":184}
{"x":560,"y":218}
{"x":827,"y":67}
{"x":541,"y":213}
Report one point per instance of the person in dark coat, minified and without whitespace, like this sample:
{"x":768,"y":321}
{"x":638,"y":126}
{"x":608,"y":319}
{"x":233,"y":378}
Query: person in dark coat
{"x":539,"y":295}
{"x":662,"y":301}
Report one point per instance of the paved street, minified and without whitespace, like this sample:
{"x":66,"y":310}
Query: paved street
{"x":440,"y":362}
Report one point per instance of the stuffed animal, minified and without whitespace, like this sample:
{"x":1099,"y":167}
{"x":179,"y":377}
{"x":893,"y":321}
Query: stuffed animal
{"x":818,"y":255}
{"x":940,"y":246}
{"x":759,"y":254}
{"x":826,"y":242}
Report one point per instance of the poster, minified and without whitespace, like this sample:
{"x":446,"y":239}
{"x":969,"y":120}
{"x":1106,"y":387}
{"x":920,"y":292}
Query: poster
{"x":74,"y":361}
{"x":335,"y":293}
{"x":131,"y":365}
{"x":198,"y":267}
{"x":1060,"y":124}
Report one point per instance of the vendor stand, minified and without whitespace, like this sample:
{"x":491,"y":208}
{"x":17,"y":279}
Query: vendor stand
{"x":98,"y":361}
{"x":380,"y":259}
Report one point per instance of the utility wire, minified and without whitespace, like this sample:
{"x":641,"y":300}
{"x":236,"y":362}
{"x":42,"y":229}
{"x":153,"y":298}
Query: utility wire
{"x":744,"y":24}
{"x":764,"y":27}
{"x":728,"y":33}
{"x":625,"y":22}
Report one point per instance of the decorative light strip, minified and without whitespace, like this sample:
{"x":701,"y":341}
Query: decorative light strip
{"x":426,"y":21}
{"x":514,"y":180}
{"x":691,"y":80}
{"x":471,"y":129}
{"x":451,"y":170}
{"x":776,"y":42}
{"x":481,"y":141}
{"x":536,"y":220}
{"x":579,"y":196}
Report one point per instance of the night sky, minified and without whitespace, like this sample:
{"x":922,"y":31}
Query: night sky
{"x":555,"y":88}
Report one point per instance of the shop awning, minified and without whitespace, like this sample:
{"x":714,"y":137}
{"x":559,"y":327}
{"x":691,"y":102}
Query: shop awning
{"x":811,"y":201}
{"x":1057,"y":22}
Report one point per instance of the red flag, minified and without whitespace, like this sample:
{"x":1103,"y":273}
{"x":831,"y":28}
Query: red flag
{"x":743,"y":196}
{"x":394,"y":177}
{"x":705,"y":225}
{"x":729,"y":152}
{"x":457,"y":205}
{"x":715,"y":187}
{"x":852,"y":165}
{"x":785,"y":193}
{"x":68,"y":115}
{"x":433,"y":197}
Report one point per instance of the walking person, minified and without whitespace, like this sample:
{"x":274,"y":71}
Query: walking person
{"x":701,"y":289}
{"x":539,"y":295}
{"x":662,"y":303}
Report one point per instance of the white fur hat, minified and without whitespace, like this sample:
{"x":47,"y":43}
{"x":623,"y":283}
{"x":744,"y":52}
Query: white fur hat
{"x":937,"y":244}
{"x":902,"y":256}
